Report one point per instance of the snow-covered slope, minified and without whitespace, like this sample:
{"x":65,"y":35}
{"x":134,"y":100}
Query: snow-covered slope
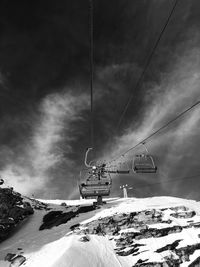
{"x":158,"y":231}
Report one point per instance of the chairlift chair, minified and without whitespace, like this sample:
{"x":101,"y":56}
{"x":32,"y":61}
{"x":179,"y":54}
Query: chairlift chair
{"x":96,"y":185}
{"x":98,"y":181}
{"x":144,"y":164}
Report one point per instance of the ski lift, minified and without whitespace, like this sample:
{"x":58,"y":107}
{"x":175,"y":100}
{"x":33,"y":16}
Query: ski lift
{"x":98,"y":181}
{"x":144,"y":163}
{"x":96,"y":185}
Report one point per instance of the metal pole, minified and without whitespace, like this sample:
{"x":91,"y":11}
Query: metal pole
{"x":124,"y":188}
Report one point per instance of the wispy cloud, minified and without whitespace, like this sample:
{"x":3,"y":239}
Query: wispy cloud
{"x":43,"y":153}
{"x":176,"y":147}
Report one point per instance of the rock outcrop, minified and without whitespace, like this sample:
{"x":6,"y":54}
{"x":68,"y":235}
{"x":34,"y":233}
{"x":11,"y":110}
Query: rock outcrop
{"x":144,"y":225}
{"x":13,"y":210}
{"x":15,"y":260}
{"x":55,"y":218}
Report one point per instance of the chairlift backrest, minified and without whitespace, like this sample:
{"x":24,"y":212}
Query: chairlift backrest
{"x":144,"y":163}
{"x":97,"y":183}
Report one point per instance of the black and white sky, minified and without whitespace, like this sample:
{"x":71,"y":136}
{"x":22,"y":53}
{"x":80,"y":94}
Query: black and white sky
{"x":45,"y":93}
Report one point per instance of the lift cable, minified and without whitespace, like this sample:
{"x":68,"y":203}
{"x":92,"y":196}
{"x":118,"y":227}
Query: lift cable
{"x":91,"y":37}
{"x":146,"y":65}
{"x":157,"y":131}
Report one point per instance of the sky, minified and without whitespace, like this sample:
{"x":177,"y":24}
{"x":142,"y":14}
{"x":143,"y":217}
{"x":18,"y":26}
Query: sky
{"x":45,"y":94}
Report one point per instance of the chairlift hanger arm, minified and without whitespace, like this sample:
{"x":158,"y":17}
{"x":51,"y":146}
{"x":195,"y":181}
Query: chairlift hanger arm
{"x":86,"y":155}
{"x":145,"y":147}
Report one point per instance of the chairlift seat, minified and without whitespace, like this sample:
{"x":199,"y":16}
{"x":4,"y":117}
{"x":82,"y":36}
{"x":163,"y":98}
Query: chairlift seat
{"x":89,"y":190}
{"x":95,"y":187}
{"x":144,"y":164}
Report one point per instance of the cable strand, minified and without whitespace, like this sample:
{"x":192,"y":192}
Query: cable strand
{"x":157,"y":131}
{"x":91,"y":72}
{"x":146,"y":65}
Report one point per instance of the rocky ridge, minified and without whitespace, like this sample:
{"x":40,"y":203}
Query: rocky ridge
{"x":13,"y":209}
{"x":58,"y":217}
{"x":130,"y":233}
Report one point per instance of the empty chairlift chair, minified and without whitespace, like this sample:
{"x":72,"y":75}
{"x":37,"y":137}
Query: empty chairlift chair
{"x":144,"y":163}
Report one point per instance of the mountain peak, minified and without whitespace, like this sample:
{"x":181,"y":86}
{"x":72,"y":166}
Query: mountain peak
{"x":157,"y":231}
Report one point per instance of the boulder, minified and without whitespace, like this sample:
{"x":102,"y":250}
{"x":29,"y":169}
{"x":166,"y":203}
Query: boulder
{"x":84,"y":238}
{"x":17,"y":261}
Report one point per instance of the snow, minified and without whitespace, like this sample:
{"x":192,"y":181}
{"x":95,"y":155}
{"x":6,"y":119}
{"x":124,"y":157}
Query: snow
{"x":195,"y":255}
{"x":59,"y":247}
{"x":133,"y":204}
{"x":74,"y":202}
{"x":97,"y":252}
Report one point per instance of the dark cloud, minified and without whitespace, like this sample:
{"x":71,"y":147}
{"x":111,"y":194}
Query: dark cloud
{"x":44,"y":89}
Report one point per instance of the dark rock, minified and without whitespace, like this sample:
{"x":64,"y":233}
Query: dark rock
{"x":141,"y":261}
{"x":56,"y":218}
{"x":140,"y":221}
{"x":158,"y":264}
{"x":154,"y":232}
{"x":195,"y":263}
{"x":167,"y":221}
{"x":185,"y":252}
{"x":196,"y":225}
{"x":9,"y":256}
{"x":13,"y":210}
{"x":73,"y":227}
{"x":84,"y":209}
{"x":63,"y":204}
{"x":179,"y":208}
{"x":38,"y":205}
{"x":51,"y":216}
{"x":134,"y":248}
{"x":127,"y":252}
{"x":169,"y":247}
{"x":185,"y":215}
{"x":85,"y":238}
{"x":28,"y":210}
{"x":17,"y":261}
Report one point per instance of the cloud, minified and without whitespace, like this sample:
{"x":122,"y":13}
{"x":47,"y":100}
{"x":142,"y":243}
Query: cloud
{"x":175,"y":148}
{"x":45,"y":130}
{"x":34,"y":171}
